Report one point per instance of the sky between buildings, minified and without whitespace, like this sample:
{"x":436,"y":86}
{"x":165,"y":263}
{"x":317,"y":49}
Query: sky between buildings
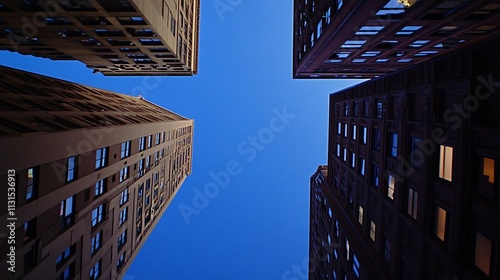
{"x":258,"y":136}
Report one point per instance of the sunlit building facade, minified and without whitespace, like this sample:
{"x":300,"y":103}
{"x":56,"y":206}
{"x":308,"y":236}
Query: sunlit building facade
{"x":93,"y":172}
{"x":112,"y":37}
{"x":367,"y":39}
{"x":411,"y":187}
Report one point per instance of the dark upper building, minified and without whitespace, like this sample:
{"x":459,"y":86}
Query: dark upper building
{"x":91,"y":173}
{"x":411,"y":191}
{"x":112,"y":37}
{"x":366,"y":39}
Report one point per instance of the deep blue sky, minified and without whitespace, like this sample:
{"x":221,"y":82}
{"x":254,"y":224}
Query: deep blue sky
{"x":257,"y":227}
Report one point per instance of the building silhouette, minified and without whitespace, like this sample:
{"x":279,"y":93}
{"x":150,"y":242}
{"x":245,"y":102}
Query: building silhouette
{"x":92,"y":172}
{"x":112,"y":37}
{"x":367,"y":39}
{"x":411,"y":191}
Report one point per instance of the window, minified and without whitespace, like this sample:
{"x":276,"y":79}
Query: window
{"x":124,"y":197}
{"x":29,"y":230}
{"x":445,"y":162}
{"x":483,"y":253}
{"x":125,"y":151}
{"x":101,"y":158}
{"x":157,"y":140}
{"x":376,"y":174}
{"x":95,"y":271}
{"x":124,"y":173}
{"x":319,"y":29}
{"x":354,"y":132}
{"x":394,"y":145}
{"x":142,"y":143}
{"x":96,"y":243}
{"x":365,"y":134}
{"x":71,"y":169}
{"x":150,"y":141}
{"x":415,"y":155}
{"x":376,"y":139}
{"x":68,"y":272}
{"x":387,"y":250}
{"x":100,"y":187}
{"x":347,"y":249}
{"x":345,"y":130}
{"x":121,"y":261}
{"x":362,"y":165}
{"x":380,"y":108}
{"x":64,"y":256}
{"x":32,"y":185}
{"x":355,"y":265}
{"x":66,"y":211}
{"x":345,"y":154}
{"x":360,"y":215}
{"x":123,"y":216}
{"x":339,"y":128}
{"x":373,"y":230}
{"x":353,"y":159}
{"x":328,"y":15}
{"x":412,"y":203}
{"x":122,"y":239}
{"x":97,"y":215}
{"x":337,"y":228}
{"x":440,"y":228}
{"x":338,"y":150}
{"x":390,"y":187}
{"x":489,"y":169}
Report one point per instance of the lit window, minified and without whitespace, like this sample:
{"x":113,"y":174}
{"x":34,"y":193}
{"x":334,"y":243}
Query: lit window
{"x":124,"y":197}
{"x":355,"y":265}
{"x":339,"y":128}
{"x":319,"y":29}
{"x":95,"y":271}
{"x":362,"y":166}
{"x":373,"y":229}
{"x":360,"y":215}
{"x":353,"y":44}
{"x":97,"y":215}
{"x":101,"y":158}
{"x":150,"y":141}
{"x":66,"y":211}
{"x":380,"y":108}
{"x":64,"y":256}
{"x":347,"y":249}
{"x":95,"y":243}
{"x":312,"y":39}
{"x":489,"y":169}
{"x":353,"y":159}
{"x":412,"y":203}
{"x":337,"y":228}
{"x":31,"y":188}
{"x":100,"y":187}
{"x":354,"y":132}
{"x":338,"y":150}
{"x":365,"y":134}
{"x":408,"y":30}
{"x":376,"y":172}
{"x":370,"y":53}
{"x":123,"y":216}
{"x":440,"y":223}
{"x":71,"y":169}
{"x":328,"y":15}
{"x":483,"y":253}
{"x":369,"y":30}
{"x":346,"y":130}
{"x":125,"y":150}
{"x":121,"y":261}
{"x":390,"y":187}
{"x":394,"y":144}
{"x":445,"y":162}
{"x":345,"y":154}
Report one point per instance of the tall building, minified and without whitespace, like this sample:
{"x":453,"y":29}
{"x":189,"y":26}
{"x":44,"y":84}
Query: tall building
{"x":367,"y":39}
{"x":112,"y":37}
{"x":91,"y":173}
{"x":411,"y":189}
